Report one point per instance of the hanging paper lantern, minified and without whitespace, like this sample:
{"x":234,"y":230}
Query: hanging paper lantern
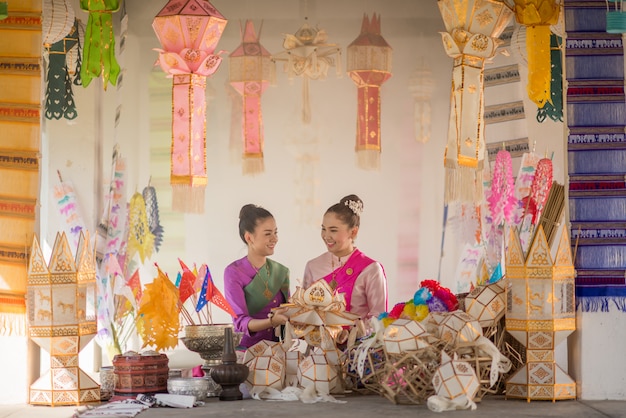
{"x":472,"y":29}
{"x":57,"y":21}
{"x":308,"y":55}
{"x":369,"y":66}
{"x":421,"y":86}
{"x":251,"y":71}
{"x":59,"y":93}
{"x":99,"y":48}
{"x":537,"y":16}
{"x":189,"y":31}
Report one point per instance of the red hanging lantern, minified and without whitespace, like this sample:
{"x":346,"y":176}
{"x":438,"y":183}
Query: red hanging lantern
{"x":369,"y":66}
{"x":189,"y":31}
{"x":251,"y":71}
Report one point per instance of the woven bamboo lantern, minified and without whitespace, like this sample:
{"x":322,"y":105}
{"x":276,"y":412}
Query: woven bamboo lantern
{"x":540,"y":315}
{"x":62,"y":317}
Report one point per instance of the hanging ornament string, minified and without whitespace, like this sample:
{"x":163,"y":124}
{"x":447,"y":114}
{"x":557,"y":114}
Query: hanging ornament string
{"x":152,"y":213}
{"x":539,"y":189}
{"x":99,"y":48}
{"x":502,"y":200}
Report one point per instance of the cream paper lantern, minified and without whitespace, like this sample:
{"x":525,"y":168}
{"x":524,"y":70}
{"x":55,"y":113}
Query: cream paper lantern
{"x":487,"y":304}
{"x":266,"y":362}
{"x":460,"y":328}
{"x":264,"y":348}
{"x":266,"y":372}
{"x":292,"y":360}
{"x":317,"y":370}
{"x":454,"y":381}
{"x":404,"y":335}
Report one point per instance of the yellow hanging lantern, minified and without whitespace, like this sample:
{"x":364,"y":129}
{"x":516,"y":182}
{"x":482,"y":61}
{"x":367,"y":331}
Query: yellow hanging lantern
{"x":537,"y":16}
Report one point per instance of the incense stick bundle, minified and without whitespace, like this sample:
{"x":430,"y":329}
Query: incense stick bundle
{"x":553,"y":211}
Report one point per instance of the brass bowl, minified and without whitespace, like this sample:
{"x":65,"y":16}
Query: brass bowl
{"x":208,"y":341}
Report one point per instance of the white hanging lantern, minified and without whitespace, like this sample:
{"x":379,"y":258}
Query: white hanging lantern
{"x":58,"y":20}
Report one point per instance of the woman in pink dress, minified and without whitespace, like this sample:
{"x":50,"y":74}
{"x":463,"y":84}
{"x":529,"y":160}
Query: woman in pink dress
{"x":361,"y":279}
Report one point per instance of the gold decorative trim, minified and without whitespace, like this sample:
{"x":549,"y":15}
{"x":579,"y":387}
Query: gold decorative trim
{"x":11,"y":112}
{"x":13,"y":254}
{"x":20,"y":66}
{"x":18,"y":208}
{"x":22,"y":21}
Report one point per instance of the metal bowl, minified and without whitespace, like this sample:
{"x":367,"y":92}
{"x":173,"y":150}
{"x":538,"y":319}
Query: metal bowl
{"x":195,"y":386}
{"x":208,"y":341}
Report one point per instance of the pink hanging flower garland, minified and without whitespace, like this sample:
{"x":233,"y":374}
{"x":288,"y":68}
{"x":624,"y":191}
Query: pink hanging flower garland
{"x":502,"y":201}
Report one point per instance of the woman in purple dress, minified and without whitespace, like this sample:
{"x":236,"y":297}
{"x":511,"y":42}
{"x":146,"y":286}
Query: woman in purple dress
{"x":254,"y":285}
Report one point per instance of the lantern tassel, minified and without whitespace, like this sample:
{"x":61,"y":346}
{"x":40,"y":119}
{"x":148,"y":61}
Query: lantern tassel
{"x":253,"y":165}
{"x":187,"y":198}
{"x":368,"y":159}
{"x":462,"y":184}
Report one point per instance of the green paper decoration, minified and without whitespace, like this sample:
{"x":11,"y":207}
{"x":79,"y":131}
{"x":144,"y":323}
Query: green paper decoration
{"x":553,"y":108}
{"x":99,"y":48}
{"x":4,"y":10}
{"x":59,"y":94}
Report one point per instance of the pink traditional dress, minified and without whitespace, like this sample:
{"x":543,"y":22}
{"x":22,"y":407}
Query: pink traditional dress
{"x":361,"y":280}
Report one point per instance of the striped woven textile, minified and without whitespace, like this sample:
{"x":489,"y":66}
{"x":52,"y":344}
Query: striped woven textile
{"x":596,"y":149}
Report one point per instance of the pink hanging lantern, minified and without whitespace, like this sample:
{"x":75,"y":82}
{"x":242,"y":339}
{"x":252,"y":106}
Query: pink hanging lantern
{"x":369,"y":66}
{"x":189,"y":31}
{"x":251,"y":71}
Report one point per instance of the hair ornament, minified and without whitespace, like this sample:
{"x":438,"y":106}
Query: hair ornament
{"x":355,"y":206}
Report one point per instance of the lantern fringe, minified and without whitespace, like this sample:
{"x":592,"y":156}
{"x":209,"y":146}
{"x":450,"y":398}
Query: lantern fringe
{"x":463,"y":184}
{"x":368,"y":159}
{"x":12,"y":324}
{"x":187,"y":198}
{"x":252,"y":166}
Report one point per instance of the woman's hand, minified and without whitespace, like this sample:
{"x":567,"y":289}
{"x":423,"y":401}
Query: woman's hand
{"x":278,"y":317}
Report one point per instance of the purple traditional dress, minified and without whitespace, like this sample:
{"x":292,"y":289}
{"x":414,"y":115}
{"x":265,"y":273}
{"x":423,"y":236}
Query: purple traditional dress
{"x":253,"y":294}
{"x":361,"y":279}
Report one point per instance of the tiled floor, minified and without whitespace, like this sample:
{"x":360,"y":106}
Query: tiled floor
{"x":353,"y":406}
